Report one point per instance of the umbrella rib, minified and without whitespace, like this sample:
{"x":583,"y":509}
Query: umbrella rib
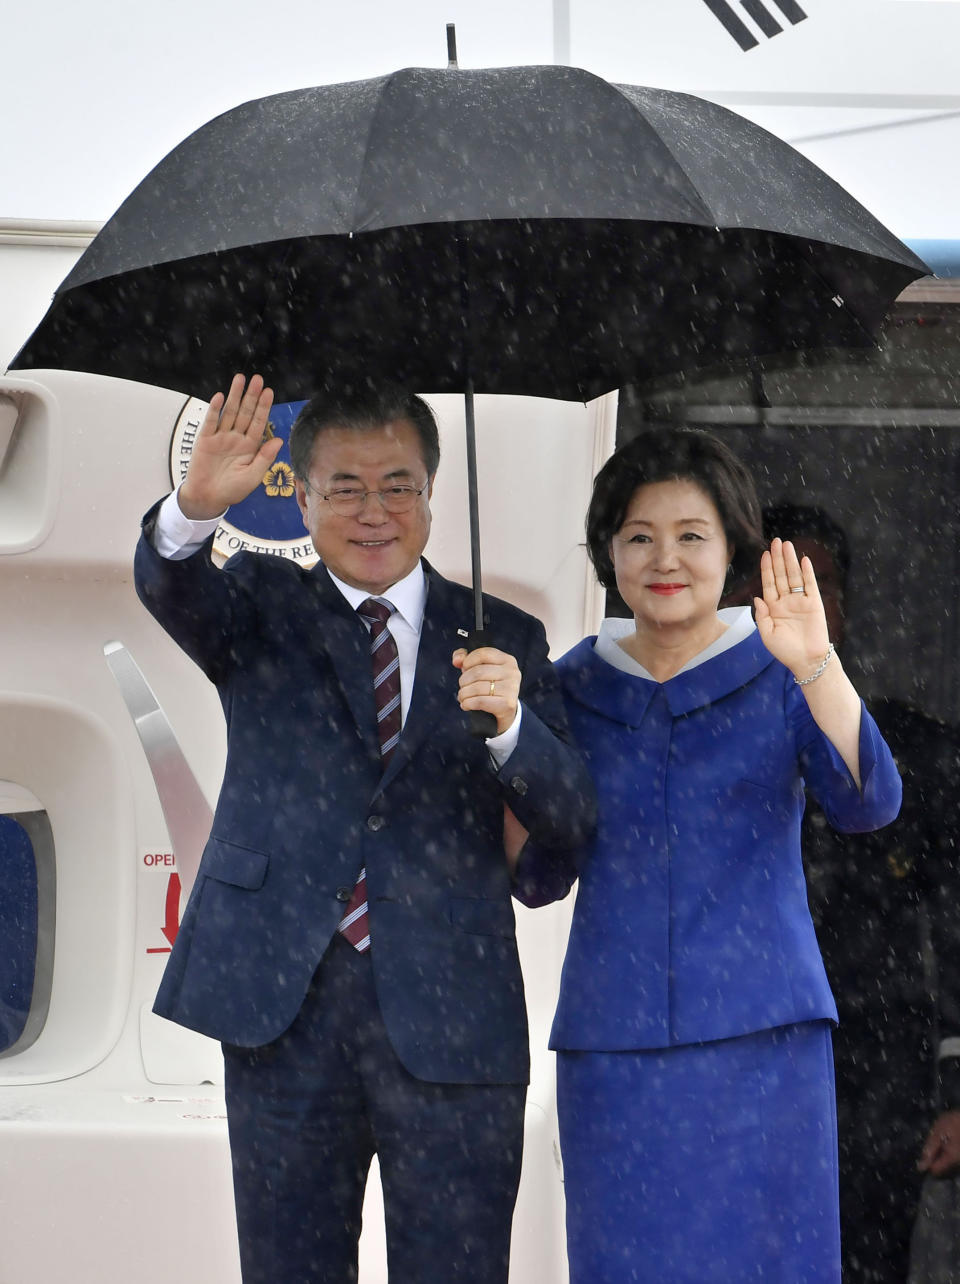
{"x":375,"y":116}
{"x":813,"y":271}
{"x":568,"y":343}
{"x":274,"y":281}
{"x":708,"y":211}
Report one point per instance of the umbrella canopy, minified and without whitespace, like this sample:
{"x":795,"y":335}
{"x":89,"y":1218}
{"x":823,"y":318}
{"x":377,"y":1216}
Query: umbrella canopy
{"x":532,"y":230}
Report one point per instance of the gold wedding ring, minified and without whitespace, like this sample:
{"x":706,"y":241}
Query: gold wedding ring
{"x":492,"y":687}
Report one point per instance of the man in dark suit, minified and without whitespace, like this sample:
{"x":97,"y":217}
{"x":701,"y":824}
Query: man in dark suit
{"x":350,"y":938}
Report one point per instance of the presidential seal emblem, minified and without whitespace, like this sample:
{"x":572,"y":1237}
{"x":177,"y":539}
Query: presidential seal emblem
{"x":268,"y":521}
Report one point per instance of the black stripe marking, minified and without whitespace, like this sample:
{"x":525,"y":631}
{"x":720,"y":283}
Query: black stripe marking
{"x":740,"y":32}
{"x":790,"y":10}
{"x":764,"y":20}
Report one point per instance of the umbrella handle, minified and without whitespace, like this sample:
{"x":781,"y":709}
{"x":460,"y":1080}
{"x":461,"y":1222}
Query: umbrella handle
{"x":483,"y":725}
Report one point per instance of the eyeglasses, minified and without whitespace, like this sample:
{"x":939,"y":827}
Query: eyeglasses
{"x":348,"y":501}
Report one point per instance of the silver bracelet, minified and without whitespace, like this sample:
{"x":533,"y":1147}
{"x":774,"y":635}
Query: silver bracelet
{"x":802,"y":682}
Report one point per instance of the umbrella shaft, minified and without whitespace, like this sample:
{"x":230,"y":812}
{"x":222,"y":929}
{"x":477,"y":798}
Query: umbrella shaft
{"x":474,"y":507}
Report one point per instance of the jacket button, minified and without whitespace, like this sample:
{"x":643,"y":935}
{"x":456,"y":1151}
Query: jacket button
{"x":375,"y":823}
{"x":518,"y":785}
{"x":343,"y":894}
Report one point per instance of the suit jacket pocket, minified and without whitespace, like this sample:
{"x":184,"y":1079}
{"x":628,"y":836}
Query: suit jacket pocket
{"x":240,"y":866}
{"x":757,"y":788}
{"x":482,"y":917}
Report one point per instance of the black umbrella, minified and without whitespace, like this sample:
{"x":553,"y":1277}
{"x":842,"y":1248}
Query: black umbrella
{"x":527,"y":230}
{"x":530,"y":229}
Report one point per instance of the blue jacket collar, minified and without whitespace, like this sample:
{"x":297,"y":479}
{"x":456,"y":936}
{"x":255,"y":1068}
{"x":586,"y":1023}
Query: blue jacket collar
{"x":625,"y":698}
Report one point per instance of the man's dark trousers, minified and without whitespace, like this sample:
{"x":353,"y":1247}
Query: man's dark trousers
{"x":307,"y":1113}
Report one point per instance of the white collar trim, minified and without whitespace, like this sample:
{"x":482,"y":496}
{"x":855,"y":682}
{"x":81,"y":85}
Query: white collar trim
{"x":737,"y":619}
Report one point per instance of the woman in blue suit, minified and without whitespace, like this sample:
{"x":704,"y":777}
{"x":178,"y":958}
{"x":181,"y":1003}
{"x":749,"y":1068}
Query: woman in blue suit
{"x":695,"y":1074}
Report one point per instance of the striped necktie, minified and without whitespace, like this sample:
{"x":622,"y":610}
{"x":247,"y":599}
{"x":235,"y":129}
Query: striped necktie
{"x":386,"y":691}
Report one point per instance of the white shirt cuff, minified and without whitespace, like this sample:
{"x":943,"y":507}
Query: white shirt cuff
{"x":503,"y":745}
{"x":176,"y":536}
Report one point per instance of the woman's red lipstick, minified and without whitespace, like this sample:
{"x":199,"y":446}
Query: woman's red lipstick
{"x":666,"y":589}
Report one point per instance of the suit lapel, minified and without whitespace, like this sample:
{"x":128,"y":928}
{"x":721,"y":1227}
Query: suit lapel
{"x":344,"y":637}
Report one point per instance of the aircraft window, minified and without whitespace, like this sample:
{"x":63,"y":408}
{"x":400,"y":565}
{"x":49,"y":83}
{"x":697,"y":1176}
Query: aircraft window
{"x":26,"y":927}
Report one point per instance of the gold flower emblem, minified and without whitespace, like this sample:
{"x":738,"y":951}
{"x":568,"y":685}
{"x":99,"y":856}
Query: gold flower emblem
{"x":278,"y":480}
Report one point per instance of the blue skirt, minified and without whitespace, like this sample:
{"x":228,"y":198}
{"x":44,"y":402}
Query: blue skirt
{"x":710,"y":1163}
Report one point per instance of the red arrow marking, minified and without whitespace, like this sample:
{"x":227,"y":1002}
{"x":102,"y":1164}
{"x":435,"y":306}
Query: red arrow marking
{"x":172,"y":924}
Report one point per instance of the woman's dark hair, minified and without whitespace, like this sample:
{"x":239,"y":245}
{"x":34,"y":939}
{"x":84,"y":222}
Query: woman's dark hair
{"x":674,"y":454}
{"x":361,"y":406}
